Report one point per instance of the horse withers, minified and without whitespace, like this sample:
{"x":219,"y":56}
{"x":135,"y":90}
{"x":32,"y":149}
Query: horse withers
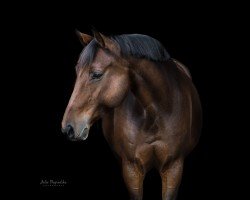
{"x":150,"y":109}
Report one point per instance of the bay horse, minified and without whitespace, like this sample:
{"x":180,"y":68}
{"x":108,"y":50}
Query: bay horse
{"x":150,"y":109}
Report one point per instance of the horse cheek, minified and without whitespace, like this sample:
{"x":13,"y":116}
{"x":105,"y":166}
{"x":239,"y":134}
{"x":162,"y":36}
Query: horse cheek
{"x":115,"y":91}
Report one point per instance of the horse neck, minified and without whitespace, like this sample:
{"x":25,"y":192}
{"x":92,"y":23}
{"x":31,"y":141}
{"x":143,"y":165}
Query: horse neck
{"x":152,"y":86}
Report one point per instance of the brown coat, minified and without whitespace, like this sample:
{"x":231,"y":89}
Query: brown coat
{"x":151,"y":113}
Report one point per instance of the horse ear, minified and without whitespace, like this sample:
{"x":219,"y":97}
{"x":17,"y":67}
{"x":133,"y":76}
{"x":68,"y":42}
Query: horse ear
{"x":84,"y":38}
{"x":99,"y":38}
{"x":106,"y":42}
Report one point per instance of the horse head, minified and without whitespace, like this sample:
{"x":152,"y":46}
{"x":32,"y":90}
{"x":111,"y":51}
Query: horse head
{"x":102,"y":82}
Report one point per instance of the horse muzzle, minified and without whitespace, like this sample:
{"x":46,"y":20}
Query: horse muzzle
{"x":73,"y":135}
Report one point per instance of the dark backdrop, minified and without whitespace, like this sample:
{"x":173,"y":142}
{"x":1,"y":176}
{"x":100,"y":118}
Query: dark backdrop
{"x":89,"y":168}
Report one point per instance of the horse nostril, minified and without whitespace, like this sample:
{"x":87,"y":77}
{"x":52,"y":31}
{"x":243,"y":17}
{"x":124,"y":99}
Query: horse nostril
{"x":68,"y":130}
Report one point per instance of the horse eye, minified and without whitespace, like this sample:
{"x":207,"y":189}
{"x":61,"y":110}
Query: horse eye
{"x":95,"y":75}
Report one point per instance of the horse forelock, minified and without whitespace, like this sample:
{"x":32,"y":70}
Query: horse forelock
{"x":88,"y":54}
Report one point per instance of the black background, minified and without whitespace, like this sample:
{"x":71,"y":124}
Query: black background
{"x":194,"y":36}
